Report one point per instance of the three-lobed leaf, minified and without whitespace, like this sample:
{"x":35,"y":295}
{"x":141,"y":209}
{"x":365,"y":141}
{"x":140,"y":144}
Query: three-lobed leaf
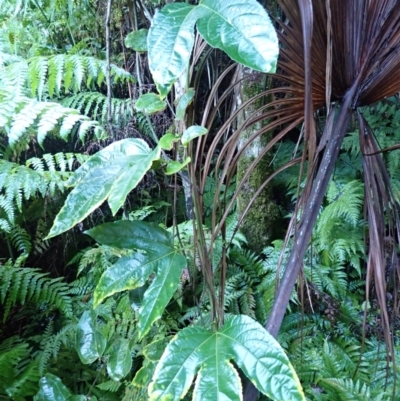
{"x":157,"y":256}
{"x":109,"y":174}
{"x":241,"y":28}
{"x":170,"y":42}
{"x":208,"y":354}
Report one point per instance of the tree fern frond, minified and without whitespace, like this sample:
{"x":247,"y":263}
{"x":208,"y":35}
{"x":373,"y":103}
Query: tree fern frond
{"x":45,"y":116}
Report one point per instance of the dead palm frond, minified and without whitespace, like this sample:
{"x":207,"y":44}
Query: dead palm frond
{"x":336,"y":56}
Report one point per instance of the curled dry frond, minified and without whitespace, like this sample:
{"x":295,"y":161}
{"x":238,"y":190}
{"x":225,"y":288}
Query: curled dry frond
{"x":337,"y":53}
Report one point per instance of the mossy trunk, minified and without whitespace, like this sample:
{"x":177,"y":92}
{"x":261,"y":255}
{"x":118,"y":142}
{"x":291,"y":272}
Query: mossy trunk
{"x":263,"y":216}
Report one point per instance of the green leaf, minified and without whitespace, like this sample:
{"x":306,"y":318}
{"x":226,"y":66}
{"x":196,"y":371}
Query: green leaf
{"x":144,"y":375}
{"x":109,"y":174}
{"x":150,"y":103}
{"x":132,"y":234}
{"x":174,"y":166}
{"x":132,"y":271}
{"x":89,"y":342}
{"x":137,"y":40}
{"x":154,"y":350}
{"x":196,"y":350}
{"x":193,"y":132}
{"x":184,"y":102}
{"x":128,"y":273}
{"x":161,"y":290}
{"x":170,"y":42}
{"x":243,"y":30}
{"x":51,"y":388}
{"x":166,"y":141}
{"x":120,"y":362}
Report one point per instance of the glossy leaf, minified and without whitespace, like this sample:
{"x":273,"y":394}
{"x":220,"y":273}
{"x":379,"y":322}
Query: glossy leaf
{"x":150,"y":103}
{"x":51,"y":388}
{"x":170,"y":42}
{"x":89,"y":342}
{"x":174,"y":166}
{"x":137,"y":40}
{"x":193,"y":132}
{"x":184,"y":102}
{"x":109,"y":174}
{"x":153,"y":351}
{"x":166,"y":142}
{"x":120,"y":362}
{"x":243,"y":30}
{"x":132,"y":271}
{"x":128,"y":234}
{"x":128,"y":273}
{"x":144,"y":375}
{"x":161,"y":290}
{"x":207,"y":354}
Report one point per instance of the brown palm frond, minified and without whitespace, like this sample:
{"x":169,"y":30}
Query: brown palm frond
{"x":336,"y":52}
{"x":365,"y":67}
{"x":355,"y":61}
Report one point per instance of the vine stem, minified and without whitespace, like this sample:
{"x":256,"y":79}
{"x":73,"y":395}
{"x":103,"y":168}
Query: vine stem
{"x":108,"y":59}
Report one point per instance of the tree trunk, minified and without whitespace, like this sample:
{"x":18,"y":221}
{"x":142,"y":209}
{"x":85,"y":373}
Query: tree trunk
{"x":263,"y":215}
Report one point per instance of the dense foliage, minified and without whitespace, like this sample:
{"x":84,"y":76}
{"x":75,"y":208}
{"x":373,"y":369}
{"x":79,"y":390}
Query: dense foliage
{"x":136,"y":103}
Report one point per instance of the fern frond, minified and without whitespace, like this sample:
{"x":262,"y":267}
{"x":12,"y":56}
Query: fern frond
{"x":51,"y":344}
{"x":22,"y":284}
{"x":53,"y":75}
{"x":20,"y":239}
{"x":94,"y":105}
{"x":18,"y":182}
{"x":349,"y":390}
{"x":111,"y":385}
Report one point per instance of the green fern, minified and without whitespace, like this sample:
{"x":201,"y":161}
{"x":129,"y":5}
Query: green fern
{"x":19,"y":183}
{"x":19,"y":373}
{"x":51,"y":344}
{"x":21,"y":285}
{"x":350,"y":390}
{"x":95,"y":105}
{"x":49,"y":76}
{"x":22,"y":118}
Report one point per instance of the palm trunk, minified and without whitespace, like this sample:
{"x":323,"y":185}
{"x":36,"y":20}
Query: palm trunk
{"x":306,"y":225}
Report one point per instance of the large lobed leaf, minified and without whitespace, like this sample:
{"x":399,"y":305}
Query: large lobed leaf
{"x":196,"y":350}
{"x":109,"y":174}
{"x":170,"y":42}
{"x":131,"y":272}
{"x":241,"y":28}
